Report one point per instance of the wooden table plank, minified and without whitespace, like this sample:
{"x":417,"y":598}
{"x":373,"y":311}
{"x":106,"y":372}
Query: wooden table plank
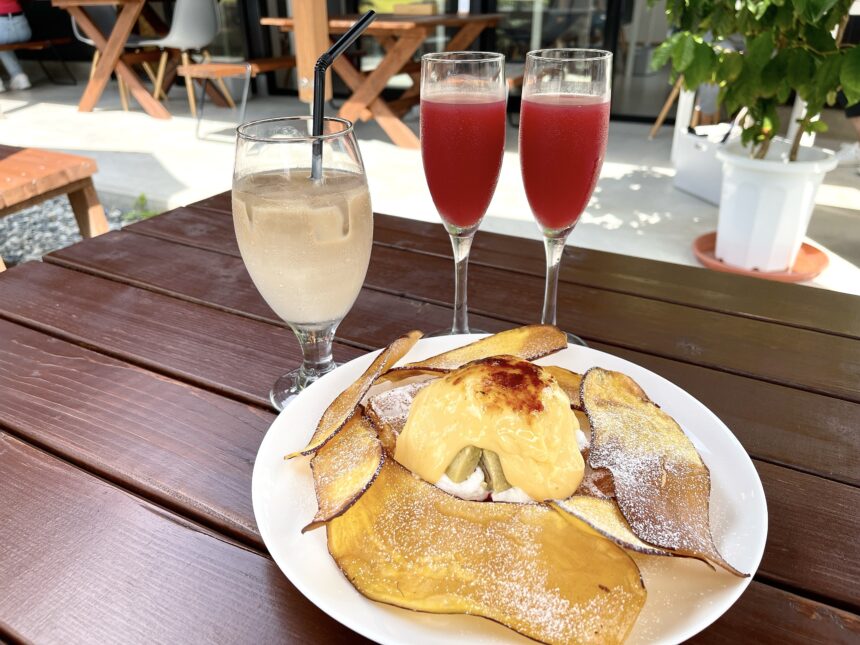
{"x":808,"y":432}
{"x":812,"y":525}
{"x":221,"y":281}
{"x":806,"y":307}
{"x":809,"y":308}
{"x":818,"y":431}
{"x":800,"y":358}
{"x":185,"y":448}
{"x":386,"y":24}
{"x":764,"y":614}
{"x":233,"y":355}
{"x":84,"y":561}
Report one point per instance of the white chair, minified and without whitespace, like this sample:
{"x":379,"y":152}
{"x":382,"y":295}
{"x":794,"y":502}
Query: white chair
{"x":194,"y":26}
{"x":104,"y":17}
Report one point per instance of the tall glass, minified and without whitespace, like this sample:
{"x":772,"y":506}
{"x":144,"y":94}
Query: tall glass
{"x":305,"y":243}
{"x":463,"y":97}
{"x":564,"y":124}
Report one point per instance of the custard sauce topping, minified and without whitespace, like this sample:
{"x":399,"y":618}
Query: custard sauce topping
{"x":503,"y":404}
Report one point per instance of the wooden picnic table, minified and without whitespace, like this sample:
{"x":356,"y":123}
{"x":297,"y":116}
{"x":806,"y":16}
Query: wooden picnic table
{"x":400,"y":37}
{"x":111,"y":47}
{"x":134,"y":374}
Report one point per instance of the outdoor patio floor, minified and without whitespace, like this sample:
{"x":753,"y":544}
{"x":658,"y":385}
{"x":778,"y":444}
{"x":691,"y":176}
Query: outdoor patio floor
{"x":635,"y":209}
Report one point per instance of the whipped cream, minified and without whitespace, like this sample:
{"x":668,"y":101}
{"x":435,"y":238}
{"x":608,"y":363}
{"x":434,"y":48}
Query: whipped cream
{"x":475,"y":489}
{"x":472,"y":488}
{"x":513,"y":494}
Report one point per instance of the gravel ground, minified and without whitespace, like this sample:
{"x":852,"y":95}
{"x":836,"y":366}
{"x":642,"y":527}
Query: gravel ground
{"x":31,"y":233}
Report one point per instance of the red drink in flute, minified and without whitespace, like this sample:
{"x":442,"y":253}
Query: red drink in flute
{"x":462,"y":142}
{"x":562,"y":145}
{"x":564,"y":124}
{"x":463,"y":99}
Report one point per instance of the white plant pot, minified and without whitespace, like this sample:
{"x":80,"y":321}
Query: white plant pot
{"x":765,"y":204}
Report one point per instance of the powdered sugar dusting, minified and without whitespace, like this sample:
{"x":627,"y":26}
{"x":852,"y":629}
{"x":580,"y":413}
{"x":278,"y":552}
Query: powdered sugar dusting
{"x":523,"y":565}
{"x":661,"y":483}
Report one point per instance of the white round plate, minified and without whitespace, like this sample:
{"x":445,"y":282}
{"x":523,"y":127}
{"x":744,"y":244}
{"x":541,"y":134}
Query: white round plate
{"x":684,"y":596}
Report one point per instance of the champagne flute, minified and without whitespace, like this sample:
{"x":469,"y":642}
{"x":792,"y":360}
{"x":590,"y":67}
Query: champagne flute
{"x":463,"y":98}
{"x":305,"y":242}
{"x":564,"y":124}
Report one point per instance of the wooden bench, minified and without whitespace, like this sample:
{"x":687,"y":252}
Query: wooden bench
{"x":35,"y":45}
{"x":29,"y":176}
{"x":40,"y":45}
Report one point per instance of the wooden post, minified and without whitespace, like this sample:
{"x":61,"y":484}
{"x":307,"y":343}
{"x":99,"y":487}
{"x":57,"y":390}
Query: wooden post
{"x":88,"y":210}
{"x":311,"y":40}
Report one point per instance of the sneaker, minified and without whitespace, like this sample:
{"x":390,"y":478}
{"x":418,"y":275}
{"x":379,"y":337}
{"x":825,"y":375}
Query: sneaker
{"x":848,"y":154}
{"x":2,"y":87}
{"x":19,"y":82}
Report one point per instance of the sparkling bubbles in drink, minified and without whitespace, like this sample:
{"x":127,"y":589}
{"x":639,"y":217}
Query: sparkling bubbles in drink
{"x":462,"y":142}
{"x":562,"y":145}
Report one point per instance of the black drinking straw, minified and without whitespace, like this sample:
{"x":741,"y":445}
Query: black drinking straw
{"x":322,"y":65}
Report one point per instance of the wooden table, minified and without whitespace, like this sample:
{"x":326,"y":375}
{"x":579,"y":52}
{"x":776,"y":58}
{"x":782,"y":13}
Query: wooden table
{"x":400,"y":37}
{"x":134,"y":372}
{"x":111,"y":48}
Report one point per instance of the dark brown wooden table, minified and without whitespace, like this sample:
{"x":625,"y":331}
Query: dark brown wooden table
{"x":134,"y":371}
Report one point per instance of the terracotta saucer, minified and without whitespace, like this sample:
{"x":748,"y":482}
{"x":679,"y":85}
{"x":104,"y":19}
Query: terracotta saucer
{"x":810,"y":262}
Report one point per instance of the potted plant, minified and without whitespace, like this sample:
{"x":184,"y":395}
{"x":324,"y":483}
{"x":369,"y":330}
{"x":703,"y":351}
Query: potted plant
{"x":769,"y":184}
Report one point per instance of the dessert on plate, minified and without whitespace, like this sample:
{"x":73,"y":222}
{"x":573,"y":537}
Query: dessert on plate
{"x":480,"y":482}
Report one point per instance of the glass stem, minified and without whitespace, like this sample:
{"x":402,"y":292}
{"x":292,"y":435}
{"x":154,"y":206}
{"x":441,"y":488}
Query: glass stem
{"x":554,"y":247}
{"x":461,"y":246}
{"x":316,"y":349}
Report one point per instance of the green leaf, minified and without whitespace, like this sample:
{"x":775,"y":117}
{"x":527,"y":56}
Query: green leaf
{"x":759,"y":50}
{"x":683,"y":52}
{"x":819,"y":38}
{"x":827,"y":74}
{"x":849,"y":75}
{"x":800,"y":8}
{"x":730,"y":66}
{"x":661,"y":54}
{"x":773,"y":75}
{"x":758,"y":8}
{"x":800,"y":68}
{"x":816,"y":126}
{"x":815,"y":9}
{"x":701,"y":69}
{"x":784,"y":17}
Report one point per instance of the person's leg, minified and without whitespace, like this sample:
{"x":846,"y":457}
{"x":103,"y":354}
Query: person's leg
{"x":10,"y":62}
{"x":17,"y":30}
{"x":9,"y":34}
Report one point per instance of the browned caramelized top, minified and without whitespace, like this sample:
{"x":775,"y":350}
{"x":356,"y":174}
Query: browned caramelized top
{"x":511,"y":383}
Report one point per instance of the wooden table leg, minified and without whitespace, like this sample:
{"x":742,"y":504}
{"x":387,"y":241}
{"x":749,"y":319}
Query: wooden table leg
{"x":88,"y":210}
{"x":367,"y":89}
{"x":399,"y":132}
{"x":111,"y":50}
